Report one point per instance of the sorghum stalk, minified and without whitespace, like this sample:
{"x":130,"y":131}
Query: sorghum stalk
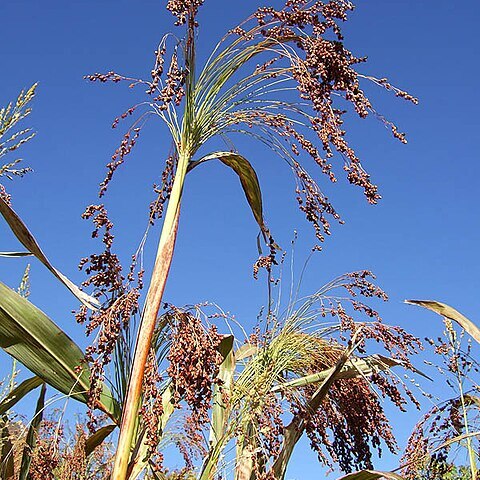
{"x":147,"y":325}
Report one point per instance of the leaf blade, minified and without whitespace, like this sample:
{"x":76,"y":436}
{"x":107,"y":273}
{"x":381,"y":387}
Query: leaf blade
{"x":248,"y":179}
{"x":449,"y":312}
{"x":97,"y":438}
{"x":28,"y":335}
{"x":19,"y":392}
{"x":32,"y":434}
{"x":371,"y":475}
{"x":22,"y":233}
{"x":225,"y":375}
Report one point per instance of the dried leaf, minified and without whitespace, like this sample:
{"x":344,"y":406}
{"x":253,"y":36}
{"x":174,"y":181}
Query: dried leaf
{"x":448,"y":312}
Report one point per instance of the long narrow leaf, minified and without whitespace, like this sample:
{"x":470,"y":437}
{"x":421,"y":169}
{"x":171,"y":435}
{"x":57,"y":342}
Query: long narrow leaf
{"x":18,"y":393}
{"x":295,"y":429}
{"x":446,"y":311}
{"x":357,"y":367}
{"x":248,"y":178}
{"x":28,"y":335}
{"x":15,"y":254}
{"x":32,"y":435}
{"x":371,"y":475}
{"x":225,"y":375}
{"x":97,"y":438}
{"x":28,"y":241}
{"x":140,"y":457}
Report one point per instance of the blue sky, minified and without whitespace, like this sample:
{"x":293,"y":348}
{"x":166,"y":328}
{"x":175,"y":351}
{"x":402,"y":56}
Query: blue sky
{"x":421,"y":240}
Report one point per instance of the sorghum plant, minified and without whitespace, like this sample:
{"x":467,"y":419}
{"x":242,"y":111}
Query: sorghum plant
{"x":282,"y":77}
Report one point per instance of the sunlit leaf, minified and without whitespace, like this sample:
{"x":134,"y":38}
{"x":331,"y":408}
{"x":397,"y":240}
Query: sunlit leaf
{"x":28,"y":241}
{"x":371,"y":475}
{"x":356,"y":367}
{"x":97,"y":438}
{"x":140,"y":458}
{"x":18,"y":393}
{"x":248,"y":178}
{"x":245,"y":351}
{"x":448,"y":312}
{"x":28,"y":335}
{"x":15,"y":254}
{"x":225,"y":375}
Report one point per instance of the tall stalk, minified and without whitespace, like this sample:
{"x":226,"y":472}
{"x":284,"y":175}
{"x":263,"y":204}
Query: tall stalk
{"x":147,"y":325}
{"x":160,"y":272}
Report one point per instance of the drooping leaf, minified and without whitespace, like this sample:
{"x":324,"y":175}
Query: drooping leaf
{"x":446,"y":311}
{"x":15,"y":254}
{"x":248,"y":178}
{"x":28,"y":241}
{"x":32,"y":435}
{"x":371,"y":475}
{"x":18,"y":393}
{"x":28,"y":335}
{"x":97,"y":438}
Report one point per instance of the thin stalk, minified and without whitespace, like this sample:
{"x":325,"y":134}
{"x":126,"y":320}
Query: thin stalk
{"x":471,"y":451}
{"x":147,"y":325}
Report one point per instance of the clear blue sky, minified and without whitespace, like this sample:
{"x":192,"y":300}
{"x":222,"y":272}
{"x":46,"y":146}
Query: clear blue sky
{"x":421,"y":240}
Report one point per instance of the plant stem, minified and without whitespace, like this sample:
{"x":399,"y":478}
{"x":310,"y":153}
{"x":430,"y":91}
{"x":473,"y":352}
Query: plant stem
{"x":147,"y":325}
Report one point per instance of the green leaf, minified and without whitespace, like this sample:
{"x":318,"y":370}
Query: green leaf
{"x":248,"y":178}
{"x":28,"y":335}
{"x":296,"y":427}
{"x":18,"y":393}
{"x":225,"y":375}
{"x":140,"y":458}
{"x":32,"y":435}
{"x":448,"y":312}
{"x":356,"y":367}
{"x":15,"y":254}
{"x":96,"y":439}
{"x":28,"y":241}
{"x":371,"y":475}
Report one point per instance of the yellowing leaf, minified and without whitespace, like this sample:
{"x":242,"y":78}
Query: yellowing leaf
{"x":448,"y":312}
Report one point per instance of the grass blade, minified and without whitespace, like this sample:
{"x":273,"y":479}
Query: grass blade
{"x":28,"y":241}
{"x":446,"y":311}
{"x":371,"y":475}
{"x":140,"y":457}
{"x":28,"y":335}
{"x":96,"y":439}
{"x":225,"y":374}
{"x":248,"y":178}
{"x":357,"y":367}
{"x":15,"y":254}
{"x":32,"y":434}
{"x":18,"y":393}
